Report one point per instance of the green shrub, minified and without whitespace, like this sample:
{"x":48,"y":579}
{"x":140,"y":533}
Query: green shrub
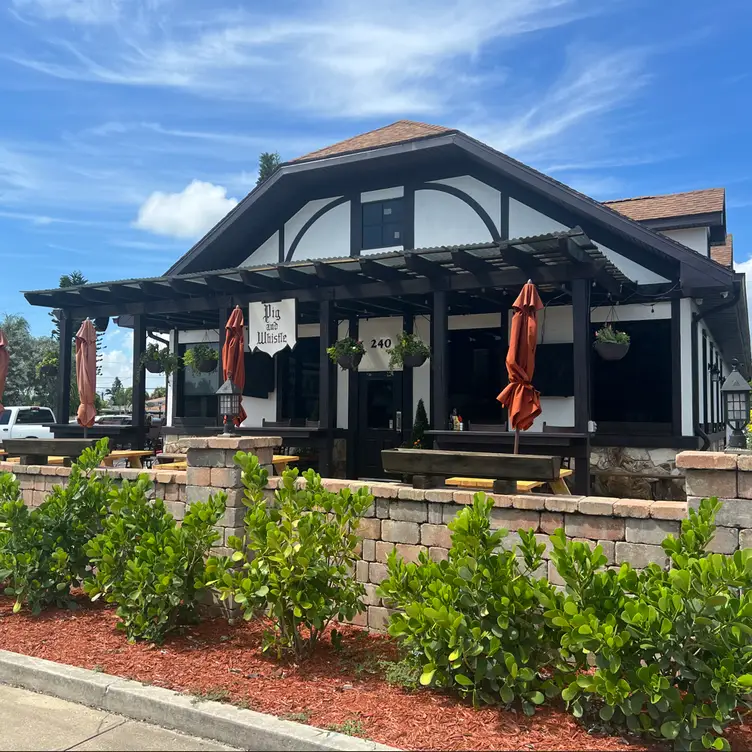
{"x":297,"y":558}
{"x":42,"y":550}
{"x":147,"y":564}
{"x":672,"y":646}
{"x":475,"y":622}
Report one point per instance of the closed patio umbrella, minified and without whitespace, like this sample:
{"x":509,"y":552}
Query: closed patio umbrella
{"x":520,"y":396}
{"x":86,"y":373}
{"x":4,"y":362}
{"x":233,"y":355}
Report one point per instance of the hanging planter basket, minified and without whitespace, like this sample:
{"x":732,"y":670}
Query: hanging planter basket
{"x":154,"y":366}
{"x":48,"y":370}
{"x":611,"y":350}
{"x":101,"y":323}
{"x":206,"y":365}
{"x":350,"y":361}
{"x":414,"y":361}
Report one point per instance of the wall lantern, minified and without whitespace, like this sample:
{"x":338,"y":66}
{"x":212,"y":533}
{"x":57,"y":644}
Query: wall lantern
{"x":736,"y":400}
{"x":715,"y":372}
{"x":229,"y":404}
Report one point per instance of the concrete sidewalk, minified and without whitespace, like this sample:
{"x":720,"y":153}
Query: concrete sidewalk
{"x":30,"y":721}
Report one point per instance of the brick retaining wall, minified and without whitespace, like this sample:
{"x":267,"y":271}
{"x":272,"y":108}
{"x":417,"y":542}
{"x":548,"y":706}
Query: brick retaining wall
{"x":416,"y":520}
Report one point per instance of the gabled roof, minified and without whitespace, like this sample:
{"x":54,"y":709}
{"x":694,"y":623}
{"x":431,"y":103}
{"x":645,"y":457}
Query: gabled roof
{"x":396,"y":133}
{"x":723,"y":253}
{"x":671,"y":205}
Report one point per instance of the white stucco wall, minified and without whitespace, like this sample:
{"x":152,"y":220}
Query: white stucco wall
{"x":696,"y":238}
{"x":525,"y":222}
{"x":328,"y":237}
{"x":266,"y":253}
{"x":383,"y":194}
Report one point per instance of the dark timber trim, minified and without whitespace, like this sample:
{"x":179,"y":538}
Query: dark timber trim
{"x":439,"y":361}
{"x":695,"y":376}
{"x":705,"y":411}
{"x":581,"y":349}
{"x":676,"y":368}
{"x":65,"y":361}
{"x":408,"y":326}
{"x":139,"y":380}
{"x":223,"y":316}
{"x":469,"y":200}
{"x":356,"y":225}
{"x":327,"y":385}
{"x":504,"y":202}
{"x":173,"y":384}
{"x":281,"y":244}
{"x":307,"y":226}
{"x":408,"y":214}
{"x":353,"y":400}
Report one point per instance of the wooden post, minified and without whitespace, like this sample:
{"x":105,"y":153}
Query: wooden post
{"x":139,"y":380}
{"x":224,"y":314}
{"x":408,"y":326}
{"x":65,"y":361}
{"x":352,"y":408}
{"x":439,"y":361}
{"x":582,"y":347}
{"x":676,"y":368}
{"x":327,"y":386}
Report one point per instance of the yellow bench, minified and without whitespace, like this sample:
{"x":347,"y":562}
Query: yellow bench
{"x":523,"y":486}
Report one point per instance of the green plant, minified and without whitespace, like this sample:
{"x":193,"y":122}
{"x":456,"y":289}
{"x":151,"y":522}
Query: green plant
{"x":475,"y":621}
{"x":608,"y":334}
{"x":213,"y":694}
{"x":147,"y":564}
{"x":302,"y":717}
{"x":297,"y":557}
{"x":407,"y":344}
{"x":42,"y":551}
{"x":168,"y":362}
{"x":672,"y":645}
{"x":48,"y":364}
{"x":345,"y":346}
{"x":404,"y":673}
{"x":198,"y":354}
{"x":420,"y":425}
{"x":350,"y":727}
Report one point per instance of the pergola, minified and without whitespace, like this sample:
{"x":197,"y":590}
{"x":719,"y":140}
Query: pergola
{"x":434,"y":281}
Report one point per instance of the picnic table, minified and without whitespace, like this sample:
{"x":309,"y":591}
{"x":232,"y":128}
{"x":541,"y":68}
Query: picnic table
{"x":280,"y":462}
{"x":133,"y":456}
{"x":558,"y":486}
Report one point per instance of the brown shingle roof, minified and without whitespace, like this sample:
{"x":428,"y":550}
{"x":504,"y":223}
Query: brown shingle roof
{"x":724,"y":253}
{"x":396,"y":133}
{"x":671,"y":205}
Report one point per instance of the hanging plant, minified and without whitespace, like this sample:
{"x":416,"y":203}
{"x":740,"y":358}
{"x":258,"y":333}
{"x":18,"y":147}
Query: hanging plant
{"x":346,"y":353}
{"x":201,"y":358}
{"x":610,"y":343}
{"x":101,"y":323}
{"x":410,"y":351}
{"x":49,"y":364}
{"x":159,"y":360}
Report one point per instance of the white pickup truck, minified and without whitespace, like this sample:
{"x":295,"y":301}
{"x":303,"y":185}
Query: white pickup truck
{"x":26,"y":423}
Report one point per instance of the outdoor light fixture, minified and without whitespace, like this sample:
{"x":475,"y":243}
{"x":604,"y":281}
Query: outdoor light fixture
{"x":229,"y":403}
{"x":715,"y":372}
{"x":736,"y":399}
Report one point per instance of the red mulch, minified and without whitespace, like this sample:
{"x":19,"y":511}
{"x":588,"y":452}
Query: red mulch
{"x":330,"y":688}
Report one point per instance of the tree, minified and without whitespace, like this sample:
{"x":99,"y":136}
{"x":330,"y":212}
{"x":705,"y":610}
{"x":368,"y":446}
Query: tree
{"x":160,"y":391}
{"x":420,"y":425}
{"x":268,"y":163}
{"x":24,"y":384}
{"x":74,"y":279}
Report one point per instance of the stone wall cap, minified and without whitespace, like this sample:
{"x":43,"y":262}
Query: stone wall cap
{"x":196,"y":442}
{"x":706,"y":461}
{"x":744,"y":462}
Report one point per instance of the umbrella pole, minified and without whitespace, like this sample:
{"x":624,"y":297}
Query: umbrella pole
{"x":516,"y":440}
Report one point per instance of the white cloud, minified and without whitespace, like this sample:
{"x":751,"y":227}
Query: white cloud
{"x":188,"y":214}
{"x":75,"y":11}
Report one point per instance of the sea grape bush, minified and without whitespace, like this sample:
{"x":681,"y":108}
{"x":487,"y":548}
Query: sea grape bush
{"x":42,"y":550}
{"x":476,"y":622}
{"x":672,"y":646}
{"x":148,"y":564}
{"x":296,"y":559}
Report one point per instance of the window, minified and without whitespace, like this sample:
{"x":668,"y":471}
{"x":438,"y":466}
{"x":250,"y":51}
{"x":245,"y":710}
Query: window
{"x":34,"y":416}
{"x":4,"y":418}
{"x":382,"y":223}
{"x":197,"y":391}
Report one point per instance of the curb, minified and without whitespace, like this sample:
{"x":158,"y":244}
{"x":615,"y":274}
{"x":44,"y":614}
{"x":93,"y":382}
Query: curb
{"x":220,"y":722}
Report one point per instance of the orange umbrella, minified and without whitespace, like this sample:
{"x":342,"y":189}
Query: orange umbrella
{"x":4,"y":361}
{"x":233,"y":355}
{"x":520,"y":396}
{"x":86,"y":373}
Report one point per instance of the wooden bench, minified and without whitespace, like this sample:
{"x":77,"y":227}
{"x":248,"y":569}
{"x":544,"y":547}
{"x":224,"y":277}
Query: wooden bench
{"x":523,"y":486}
{"x":429,"y":468}
{"x":280,"y":462}
{"x":38,"y":451}
{"x":165,"y":457}
{"x":134,"y":457}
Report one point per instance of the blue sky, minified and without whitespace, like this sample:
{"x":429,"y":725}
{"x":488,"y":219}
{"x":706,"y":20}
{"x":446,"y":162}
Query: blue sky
{"x":129,"y":127}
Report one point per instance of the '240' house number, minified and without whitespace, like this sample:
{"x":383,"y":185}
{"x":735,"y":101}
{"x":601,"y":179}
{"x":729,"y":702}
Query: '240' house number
{"x":381,"y":344}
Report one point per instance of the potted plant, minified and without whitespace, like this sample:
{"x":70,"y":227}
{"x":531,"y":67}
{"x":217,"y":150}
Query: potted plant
{"x":49,"y":364}
{"x":420,"y":426}
{"x":610,"y":343}
{"x":201,"y":358}
{"x":159,"y":360}
{"x":410,"y":351}
{"x":346,"y":353}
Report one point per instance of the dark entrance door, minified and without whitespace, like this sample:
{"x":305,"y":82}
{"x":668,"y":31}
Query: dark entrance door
{"x":379,"y":420}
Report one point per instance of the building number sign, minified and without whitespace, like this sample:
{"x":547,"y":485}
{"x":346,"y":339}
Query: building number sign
{"x":384,"y":343}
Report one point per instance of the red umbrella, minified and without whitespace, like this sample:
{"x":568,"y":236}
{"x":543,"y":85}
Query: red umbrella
{"x":4,"y":362}
{"x":233,"y":355}
{"x":520,"y":396}
{"x":86,"y":373}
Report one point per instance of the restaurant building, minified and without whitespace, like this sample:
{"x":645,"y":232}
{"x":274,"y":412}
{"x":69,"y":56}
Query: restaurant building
{"x":423,"y":229}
